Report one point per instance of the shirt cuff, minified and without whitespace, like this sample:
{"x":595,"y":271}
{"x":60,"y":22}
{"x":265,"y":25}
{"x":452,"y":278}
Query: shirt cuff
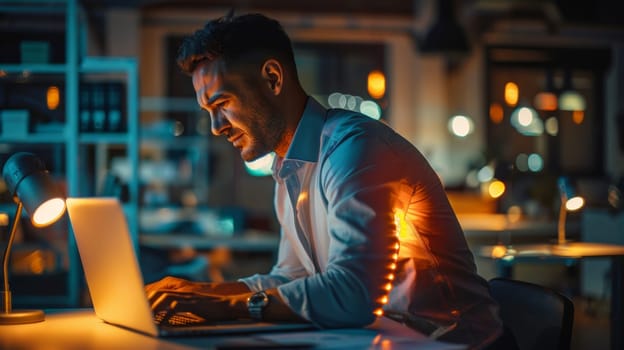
{"x":260,"y":282}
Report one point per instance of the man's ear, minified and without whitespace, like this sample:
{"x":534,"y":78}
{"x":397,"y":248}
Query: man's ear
{"x":273,"y":75}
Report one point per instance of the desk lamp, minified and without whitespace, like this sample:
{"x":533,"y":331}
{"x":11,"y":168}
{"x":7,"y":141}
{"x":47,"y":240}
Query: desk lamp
{"x":32,"y":188}
{"x":569,"y":202}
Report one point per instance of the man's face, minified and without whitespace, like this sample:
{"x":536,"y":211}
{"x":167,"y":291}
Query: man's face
{"x":240,"y":108}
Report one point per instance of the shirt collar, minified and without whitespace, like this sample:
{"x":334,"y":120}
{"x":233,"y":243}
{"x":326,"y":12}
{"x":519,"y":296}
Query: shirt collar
{"x":305,"y":145}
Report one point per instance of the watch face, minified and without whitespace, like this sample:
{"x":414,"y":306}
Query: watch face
{"x":256,"y":303}
{"x":258,"y":299}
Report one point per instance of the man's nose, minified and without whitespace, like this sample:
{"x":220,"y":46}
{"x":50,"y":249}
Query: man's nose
{"x":218,"y":123}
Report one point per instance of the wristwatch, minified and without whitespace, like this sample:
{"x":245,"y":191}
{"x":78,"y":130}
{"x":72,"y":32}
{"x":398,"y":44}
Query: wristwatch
{"x":256,"y":303}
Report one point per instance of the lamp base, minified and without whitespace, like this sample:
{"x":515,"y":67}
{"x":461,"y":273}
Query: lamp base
{"x":21,"y":316}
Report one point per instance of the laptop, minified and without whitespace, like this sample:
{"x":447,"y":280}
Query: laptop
{"x":115,"y":281}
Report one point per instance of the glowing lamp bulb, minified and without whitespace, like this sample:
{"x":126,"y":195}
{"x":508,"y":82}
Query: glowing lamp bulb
{"x":499,"y":251}
{"x":48,"y":212}
{"x":575,"y":203}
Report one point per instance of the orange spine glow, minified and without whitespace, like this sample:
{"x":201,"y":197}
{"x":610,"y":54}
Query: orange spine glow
{"x":400,"y":224}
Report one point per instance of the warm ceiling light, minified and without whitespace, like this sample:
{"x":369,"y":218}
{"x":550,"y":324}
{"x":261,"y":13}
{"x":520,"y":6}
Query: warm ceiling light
{"x":578,"y":116}
{"x":512,"y":93}
{"x":570,"y":99}
{"x":496,"y":113}
{"x":545,"y":101}
{"x":376,"y":84}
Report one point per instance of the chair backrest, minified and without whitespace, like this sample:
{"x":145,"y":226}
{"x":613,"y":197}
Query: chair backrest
{"x":538,"y":317}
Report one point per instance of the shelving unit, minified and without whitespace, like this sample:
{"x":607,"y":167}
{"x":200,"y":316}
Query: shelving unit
{"x":79,"y":156}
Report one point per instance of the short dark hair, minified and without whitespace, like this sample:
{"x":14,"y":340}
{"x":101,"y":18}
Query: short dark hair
{"x":236,"y":39}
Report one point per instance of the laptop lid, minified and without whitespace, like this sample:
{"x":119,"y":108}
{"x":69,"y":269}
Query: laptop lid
{"x":110,"y":264}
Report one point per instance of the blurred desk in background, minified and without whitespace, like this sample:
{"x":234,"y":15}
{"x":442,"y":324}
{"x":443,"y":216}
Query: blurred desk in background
{"x":499,"y":227}
{"x":249,"y":240}
{"x":206,"y":257}
{"x":507,"y":256}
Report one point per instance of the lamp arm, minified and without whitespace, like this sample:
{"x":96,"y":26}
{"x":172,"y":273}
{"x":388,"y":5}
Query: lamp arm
{"x":561,"y":236}
{"x":6,"y":292}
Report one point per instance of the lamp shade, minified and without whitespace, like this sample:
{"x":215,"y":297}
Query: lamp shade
{"x":568,"y":195}
{"x":28,"y":180}
{"x":569,"y":202}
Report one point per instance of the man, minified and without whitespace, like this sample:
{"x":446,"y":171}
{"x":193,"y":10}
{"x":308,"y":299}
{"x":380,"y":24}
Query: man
{"x":366,"y":226}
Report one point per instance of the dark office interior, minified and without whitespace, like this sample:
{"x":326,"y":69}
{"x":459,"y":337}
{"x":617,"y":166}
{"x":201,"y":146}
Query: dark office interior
{"x":504,"y":98}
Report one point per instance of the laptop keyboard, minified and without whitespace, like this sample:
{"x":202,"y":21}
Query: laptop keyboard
{"x":178,"y":318}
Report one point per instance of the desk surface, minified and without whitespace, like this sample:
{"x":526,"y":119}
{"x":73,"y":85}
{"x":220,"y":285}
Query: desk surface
{"x":81,"y":329}
{"x":566,"y":250}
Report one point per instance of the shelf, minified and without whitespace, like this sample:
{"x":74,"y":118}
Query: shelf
{"x":104,"y":138}
{"x":35,"y":138}
{"x":107,"y":65}
{"x":33,"y":68}
{"x":173,"y":141}
{"x":82,"y":168}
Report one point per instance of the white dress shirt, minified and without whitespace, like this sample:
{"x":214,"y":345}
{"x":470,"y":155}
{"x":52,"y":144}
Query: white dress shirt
{"x":350,"y":189}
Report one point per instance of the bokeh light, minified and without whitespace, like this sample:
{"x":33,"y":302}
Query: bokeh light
{"x":496,"y":188}
{"x":53,"y":97}
{"x":460,"y":126}
{"x":496,"y":113}
{"x":552,"y":126}
{"x":512,"y":93}
{"x":376,"y":84}
{"x":535,"y":162}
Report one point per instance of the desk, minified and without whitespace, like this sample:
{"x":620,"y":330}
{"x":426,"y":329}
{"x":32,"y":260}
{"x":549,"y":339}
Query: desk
{"x":507,"y":256}
{"x":82,"y":330}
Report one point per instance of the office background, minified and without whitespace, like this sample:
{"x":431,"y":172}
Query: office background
{"x":91,"y":87}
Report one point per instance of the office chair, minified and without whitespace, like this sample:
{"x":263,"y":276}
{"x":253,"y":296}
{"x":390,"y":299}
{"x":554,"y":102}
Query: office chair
{"x":538,"y":317}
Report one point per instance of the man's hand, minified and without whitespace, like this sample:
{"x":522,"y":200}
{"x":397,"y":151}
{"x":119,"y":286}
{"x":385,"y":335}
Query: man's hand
{"x":209,"y":307}
{"x":182,"y":285}
{"x":212,"y":301}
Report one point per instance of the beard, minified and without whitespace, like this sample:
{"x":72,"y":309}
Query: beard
{"x":265,"y":132}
